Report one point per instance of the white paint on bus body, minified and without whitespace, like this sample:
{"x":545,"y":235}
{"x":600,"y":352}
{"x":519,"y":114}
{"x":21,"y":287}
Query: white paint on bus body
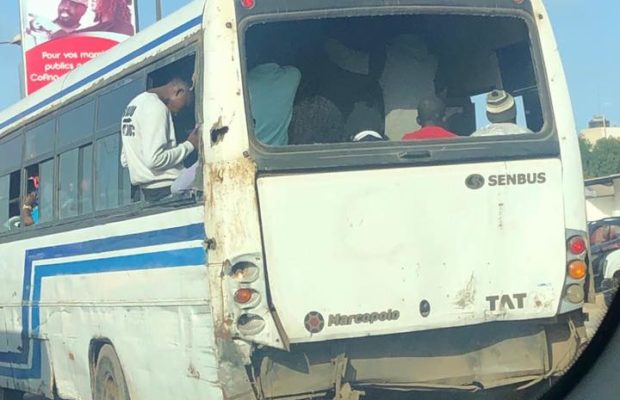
{"x":322,"y":233}
{"x":368,"y":241}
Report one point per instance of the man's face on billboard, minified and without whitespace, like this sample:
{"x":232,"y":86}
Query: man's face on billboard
{"x":70,"y":12}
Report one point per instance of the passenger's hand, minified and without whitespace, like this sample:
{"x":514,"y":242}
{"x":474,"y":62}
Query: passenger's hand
{"x":194,"y":137}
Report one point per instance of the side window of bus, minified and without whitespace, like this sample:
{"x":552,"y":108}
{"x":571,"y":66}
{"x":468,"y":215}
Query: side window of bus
{"x":10,"y":154}
{"x":75,"y":133}
{"x":39,"y":172}
{"x":39,"y":179}
{"x":112,"y":185}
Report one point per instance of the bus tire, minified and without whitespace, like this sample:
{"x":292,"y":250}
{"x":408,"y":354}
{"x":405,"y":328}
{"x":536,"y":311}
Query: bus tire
{"x":8,"y":394}
{"x":109,"y":380}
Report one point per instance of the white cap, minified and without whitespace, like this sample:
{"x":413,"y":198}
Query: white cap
{"x":499,"y":101}
{"x":367,"y":136}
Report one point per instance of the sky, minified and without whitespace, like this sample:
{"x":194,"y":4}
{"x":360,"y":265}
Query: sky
{"x":587,"y":33}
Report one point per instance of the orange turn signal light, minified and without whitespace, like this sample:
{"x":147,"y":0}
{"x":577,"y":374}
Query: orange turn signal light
{"x":243,"y":296}
{"x":577,"y":269}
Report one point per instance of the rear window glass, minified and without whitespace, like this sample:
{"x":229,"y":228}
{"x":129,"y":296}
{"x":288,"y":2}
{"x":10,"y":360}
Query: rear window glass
{"x":414,"y":77}
{"x":11,"y":153}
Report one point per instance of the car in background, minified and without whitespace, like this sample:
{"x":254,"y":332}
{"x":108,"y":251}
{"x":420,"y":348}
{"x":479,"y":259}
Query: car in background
{"x":605,"y":253}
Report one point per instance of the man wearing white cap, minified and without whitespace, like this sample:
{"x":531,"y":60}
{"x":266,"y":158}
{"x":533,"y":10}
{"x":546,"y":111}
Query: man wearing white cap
{"x":502,"y":113}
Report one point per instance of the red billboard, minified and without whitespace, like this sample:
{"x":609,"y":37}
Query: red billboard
{"x":60,"y":35}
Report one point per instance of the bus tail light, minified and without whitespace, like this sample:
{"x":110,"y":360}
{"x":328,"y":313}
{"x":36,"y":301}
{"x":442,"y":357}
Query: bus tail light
{"x":243,"y":296}
{"x":577,"y":245}
{"x":249,"y":4}
{"x":574,"y":292}
{"x":577,"y":269}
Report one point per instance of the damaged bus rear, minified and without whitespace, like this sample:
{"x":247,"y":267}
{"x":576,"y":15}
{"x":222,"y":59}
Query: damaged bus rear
{"x":395,"y":197}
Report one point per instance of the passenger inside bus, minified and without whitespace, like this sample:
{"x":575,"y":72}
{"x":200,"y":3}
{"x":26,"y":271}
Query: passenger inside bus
{"x":153,"y":123}
{"x":272,"y":85}
{"x":377,"y":70}
{"x":502,"y":113}
{"x":30,"y":207}
{"x":315,"y":120}
{"x":431,"y":115}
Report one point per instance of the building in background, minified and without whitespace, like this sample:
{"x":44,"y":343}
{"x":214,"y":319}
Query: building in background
{"x":603,"y":197}
{"x":600,"y":128}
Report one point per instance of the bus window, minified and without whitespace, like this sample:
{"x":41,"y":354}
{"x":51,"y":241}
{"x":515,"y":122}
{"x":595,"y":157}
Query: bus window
{"x":11,"y":154}
{"x":40,"y":140}
{"x":68,"y":184}
{"x":344,"y":76}
{"x":10,"y":203}
{"x":5,"y":201}
{"x":85,"y":179}
{"x":40,"y":181}
{"x":112,"y":104}
{"x":77,"y":124}
{"x":75,"y":193}
{"x":107,"y":172}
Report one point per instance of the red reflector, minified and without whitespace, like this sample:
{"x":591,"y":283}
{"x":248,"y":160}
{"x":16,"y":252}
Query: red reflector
{"x":248,"y":3}
{"x":243,"y":296}
{"x":576,"y":245}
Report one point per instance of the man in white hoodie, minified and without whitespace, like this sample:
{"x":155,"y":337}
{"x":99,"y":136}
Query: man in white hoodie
{"x":150,"y":150}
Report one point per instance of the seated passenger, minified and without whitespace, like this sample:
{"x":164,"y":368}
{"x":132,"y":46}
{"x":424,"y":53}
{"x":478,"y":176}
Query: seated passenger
{"x":431,"y":117}
{"x":30,"y":206}
{"x":316,"y":120}
{"x":502,"y":113}
{"x":272,"y":92}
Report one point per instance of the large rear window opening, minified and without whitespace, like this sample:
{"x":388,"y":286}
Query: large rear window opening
{"x":349,"y":79}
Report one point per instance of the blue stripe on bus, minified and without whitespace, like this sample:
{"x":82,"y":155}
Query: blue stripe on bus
{"x":121,"y":61}
{"x":32,"y":292}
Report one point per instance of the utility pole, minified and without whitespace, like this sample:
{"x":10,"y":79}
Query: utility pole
{"x":158,"y":10}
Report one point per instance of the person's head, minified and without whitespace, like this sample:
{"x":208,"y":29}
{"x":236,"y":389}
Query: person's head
{"x":501,"y":107}
{"x":431,"y":112}
{"x":70,"y":12}
{"x":32,"y":189}
{"x":176,"y":94}
{"x":112,"y":10}
{"x":316,"y":119}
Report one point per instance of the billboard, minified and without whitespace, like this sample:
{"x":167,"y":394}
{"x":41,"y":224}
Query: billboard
{"x":60,"y":35}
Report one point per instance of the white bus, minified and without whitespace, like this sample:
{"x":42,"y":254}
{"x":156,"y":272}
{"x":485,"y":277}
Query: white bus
{"x":301,"y":263}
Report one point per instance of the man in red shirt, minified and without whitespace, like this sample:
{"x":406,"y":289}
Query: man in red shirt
{"x":431,"y":116}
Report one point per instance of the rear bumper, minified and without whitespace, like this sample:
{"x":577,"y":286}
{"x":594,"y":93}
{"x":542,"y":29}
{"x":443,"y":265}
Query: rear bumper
{"x":468,"y":358}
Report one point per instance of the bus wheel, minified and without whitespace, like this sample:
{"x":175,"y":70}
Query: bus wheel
{"x":109,"y":381}
{"x":8,"y":394}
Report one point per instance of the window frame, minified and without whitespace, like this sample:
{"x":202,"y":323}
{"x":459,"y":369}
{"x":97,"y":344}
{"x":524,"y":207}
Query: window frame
{"x":338,"y":156}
